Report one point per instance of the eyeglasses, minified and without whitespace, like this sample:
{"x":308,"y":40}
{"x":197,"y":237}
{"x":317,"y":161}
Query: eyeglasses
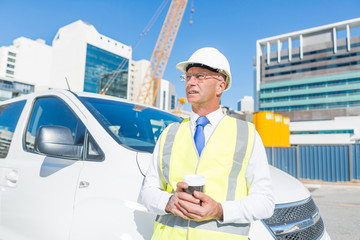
{"x":200,"y":76}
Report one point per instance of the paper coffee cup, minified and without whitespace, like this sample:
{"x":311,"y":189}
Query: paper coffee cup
{"x":196,"y":182}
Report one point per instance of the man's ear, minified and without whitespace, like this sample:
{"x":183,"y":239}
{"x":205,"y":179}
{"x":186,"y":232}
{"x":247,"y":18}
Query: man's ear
{"x":220,"y":87}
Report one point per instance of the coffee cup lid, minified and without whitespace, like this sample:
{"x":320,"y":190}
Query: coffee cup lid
{"x":195,"y":180}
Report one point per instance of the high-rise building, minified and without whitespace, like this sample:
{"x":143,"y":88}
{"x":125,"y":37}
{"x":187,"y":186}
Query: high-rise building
{"x":246,"y":104}
{"x":311,"y":74}
{"x":137,"y":74}
{"x":89,"y":60}
{"x":166,"y":94}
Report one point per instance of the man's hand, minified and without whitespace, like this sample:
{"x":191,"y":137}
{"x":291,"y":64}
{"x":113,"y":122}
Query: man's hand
{"x":173,"y":205}
{"x":187,"y":206}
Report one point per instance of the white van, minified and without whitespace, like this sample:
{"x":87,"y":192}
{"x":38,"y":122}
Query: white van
{"x":72,"y":165}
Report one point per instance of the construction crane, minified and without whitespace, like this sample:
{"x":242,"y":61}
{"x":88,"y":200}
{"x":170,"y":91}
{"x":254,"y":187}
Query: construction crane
{"x":150,"y":84}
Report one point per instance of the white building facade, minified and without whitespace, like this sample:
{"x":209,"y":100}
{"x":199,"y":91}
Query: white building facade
{"x":89,"y":61}
{"x":166,"y":94}
{"x":27,"y":61}
{"x":246,"y":104}
{"x":340,"y":130}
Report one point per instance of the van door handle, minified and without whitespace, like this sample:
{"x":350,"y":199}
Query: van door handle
{"x":12,"y":177}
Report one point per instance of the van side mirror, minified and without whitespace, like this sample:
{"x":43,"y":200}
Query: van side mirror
{"x":57,"y":141}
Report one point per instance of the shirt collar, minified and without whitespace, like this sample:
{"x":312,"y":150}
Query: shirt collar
{"x":213,"y":117}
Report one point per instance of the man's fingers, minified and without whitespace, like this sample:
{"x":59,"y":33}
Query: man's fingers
{"x":189,"y":198}
{"x":202,"y":196}
{"x":179,"y":213}
{"x":180,"y":186}
{"x":192,"y":211}
{"x":189,"y":207}
{"x":210,"y":209}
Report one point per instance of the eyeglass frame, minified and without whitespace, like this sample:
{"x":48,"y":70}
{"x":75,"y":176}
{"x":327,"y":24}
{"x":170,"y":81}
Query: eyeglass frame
{"x":184,"y":77}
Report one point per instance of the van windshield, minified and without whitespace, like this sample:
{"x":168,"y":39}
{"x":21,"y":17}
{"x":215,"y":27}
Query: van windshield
{"x":134,"y":126}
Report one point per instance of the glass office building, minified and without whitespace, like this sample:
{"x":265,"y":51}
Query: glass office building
{"x":103,"y":67}
{"x":310,"y":74}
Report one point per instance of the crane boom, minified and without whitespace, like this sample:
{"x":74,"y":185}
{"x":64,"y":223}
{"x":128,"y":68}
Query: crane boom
{"x":150,"y":84}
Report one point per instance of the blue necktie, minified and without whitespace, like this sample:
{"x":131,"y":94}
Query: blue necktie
{"x":199,"y":133}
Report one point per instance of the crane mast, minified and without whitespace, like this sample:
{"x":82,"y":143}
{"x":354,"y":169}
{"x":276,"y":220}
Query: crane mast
{"x":151,"y":83}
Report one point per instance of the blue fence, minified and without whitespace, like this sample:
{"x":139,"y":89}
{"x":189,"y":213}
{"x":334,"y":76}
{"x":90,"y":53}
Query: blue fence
{"x":283,"y":158}
{"x":355,"y":161}
{"x":332,"y":163}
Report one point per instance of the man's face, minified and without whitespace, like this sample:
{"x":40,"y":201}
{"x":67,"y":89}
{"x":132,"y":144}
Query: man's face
{"x":204,"y":92}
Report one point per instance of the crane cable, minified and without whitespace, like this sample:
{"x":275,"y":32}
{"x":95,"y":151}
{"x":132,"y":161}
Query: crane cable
{"x":142,"y":34}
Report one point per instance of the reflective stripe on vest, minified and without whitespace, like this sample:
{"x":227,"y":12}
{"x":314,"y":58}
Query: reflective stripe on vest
{"x":226,"y":155}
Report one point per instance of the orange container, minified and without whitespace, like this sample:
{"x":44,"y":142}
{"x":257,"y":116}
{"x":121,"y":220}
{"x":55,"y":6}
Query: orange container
{"x":264,"y":124}
{"x":278,"y":125}
{"x":285,"y":138}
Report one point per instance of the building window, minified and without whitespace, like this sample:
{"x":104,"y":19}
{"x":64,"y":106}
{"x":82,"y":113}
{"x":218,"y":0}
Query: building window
{"x":317,"y":85}
{"x":12,"y":54}
{"x":266,"y":100}
{"x":164,"y":99}
{"x":352,"y":63}
{"x":317,"y":106}
{"x":10,"y":66}
{"x":336,"y":83}
{"x":318,"y":95}
{"x":10,"y":72}
{"x":354,"y":81}
{"x":338,"y":105}
{"x":281,"y":99}
{"x":354,"y":104}
{"x":268,"y":90}
{"x":298,"y":108}
{"x":354,"y":92}
{"x":281,"y":89}
{"x":281,"y":109}
{"x":324,"y":132}
{"x":298,"y":97}
{"x":172,"y":102}
{"x":298,"y":87}
{"x":101,"y":67}
{"x":11,"y":60}
{"x":337,"y":94}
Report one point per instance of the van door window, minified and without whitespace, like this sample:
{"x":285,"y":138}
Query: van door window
{"x":51,"y":111}
{"x":9,"y":116}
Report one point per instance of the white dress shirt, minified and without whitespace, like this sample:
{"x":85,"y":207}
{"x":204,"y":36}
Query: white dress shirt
{"x":259,"y":203}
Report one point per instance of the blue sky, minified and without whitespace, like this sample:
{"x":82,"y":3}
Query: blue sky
{"x":229,"y":25}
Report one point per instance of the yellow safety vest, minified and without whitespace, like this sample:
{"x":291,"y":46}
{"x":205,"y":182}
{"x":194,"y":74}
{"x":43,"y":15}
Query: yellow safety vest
{"x":223,"y":162}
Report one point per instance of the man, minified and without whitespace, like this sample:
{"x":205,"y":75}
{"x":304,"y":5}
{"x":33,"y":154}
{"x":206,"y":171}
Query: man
{"x":227,"y":151}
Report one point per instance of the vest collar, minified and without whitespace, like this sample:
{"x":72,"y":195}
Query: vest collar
{"x":214,"y":117}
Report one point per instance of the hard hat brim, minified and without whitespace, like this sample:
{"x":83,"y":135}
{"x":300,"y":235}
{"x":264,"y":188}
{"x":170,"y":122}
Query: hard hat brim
{"x":181,"y":66}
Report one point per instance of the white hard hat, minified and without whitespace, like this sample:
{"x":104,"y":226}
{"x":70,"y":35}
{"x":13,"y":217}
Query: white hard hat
{"x":211,"y":58}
